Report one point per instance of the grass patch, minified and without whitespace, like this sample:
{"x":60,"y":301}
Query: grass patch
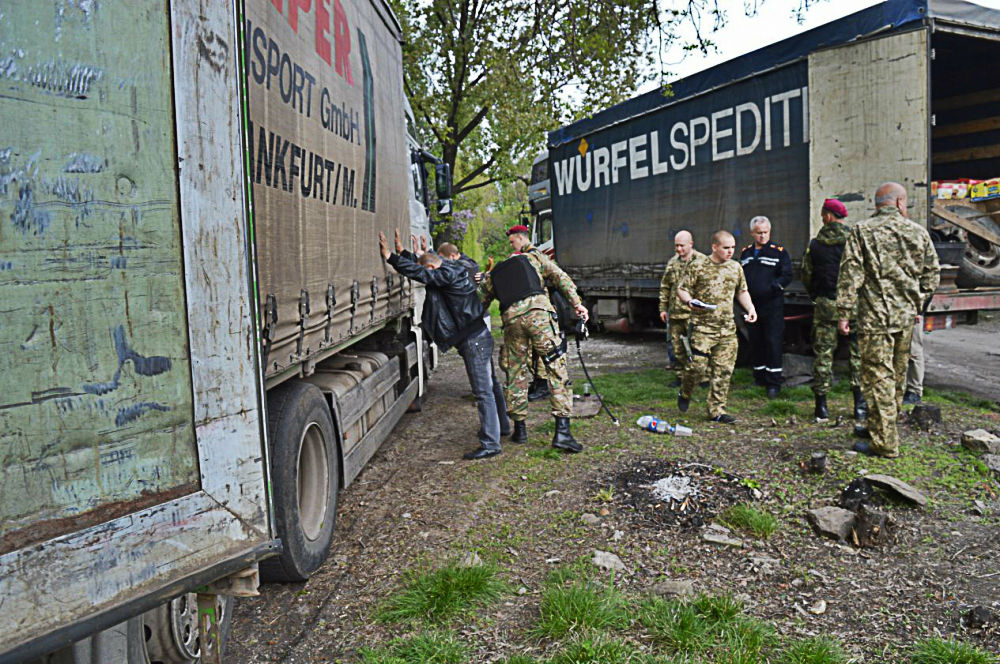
{"x":779,"y":408}
{"x":750,"y":519}
{"x":598,"y":649}
{"x":676,"y":626}
{"x":425,"y":648}
{"x":549,"y":453}
{"x":939,"y":651}
{"x":814,"y":651}
{"x":442,"y":594}
{"x":580,"y":605}
{"x":635,"y":388}
{"x":960,"y":399}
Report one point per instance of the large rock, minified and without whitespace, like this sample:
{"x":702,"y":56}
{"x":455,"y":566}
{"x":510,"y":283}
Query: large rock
{"x":674,"y":588}
{"x":981,"y":441}
{"x":898,"y":486}
{"x":608,"y":561}
{"x":834,"y":522}
{"x":717,"y":537}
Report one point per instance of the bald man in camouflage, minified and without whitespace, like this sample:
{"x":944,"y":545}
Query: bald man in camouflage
{"x":889,"y":271}
{"x":673,"y":312}
{"x":529,"y":324}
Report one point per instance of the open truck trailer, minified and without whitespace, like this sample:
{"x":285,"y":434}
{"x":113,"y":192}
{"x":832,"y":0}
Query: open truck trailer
{"x":899,"y":91}
{"x":200,"y":342}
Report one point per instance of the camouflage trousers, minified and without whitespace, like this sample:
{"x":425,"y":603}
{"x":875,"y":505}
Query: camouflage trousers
{"x":825,"y":338}
{"x":533,"y":331}
{"x":883,"y":372}
{"x":677,"y":329}
{"x":714,"y":354}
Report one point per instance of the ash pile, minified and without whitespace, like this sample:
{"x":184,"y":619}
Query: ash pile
{"x":678,"y":494}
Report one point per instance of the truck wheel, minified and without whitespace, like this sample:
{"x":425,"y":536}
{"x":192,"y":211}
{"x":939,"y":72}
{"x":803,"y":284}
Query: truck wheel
{"x":981,"y":263}
{"x":304,"y":477}
{"x":171,"y":633}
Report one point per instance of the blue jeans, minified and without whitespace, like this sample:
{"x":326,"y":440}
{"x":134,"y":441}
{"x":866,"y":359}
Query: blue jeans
{"x":477,"y":351}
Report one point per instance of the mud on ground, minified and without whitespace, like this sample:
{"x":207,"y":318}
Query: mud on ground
{"x":418,"y":505}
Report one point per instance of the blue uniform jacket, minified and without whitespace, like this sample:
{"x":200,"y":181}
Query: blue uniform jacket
{"x":767,"y":273}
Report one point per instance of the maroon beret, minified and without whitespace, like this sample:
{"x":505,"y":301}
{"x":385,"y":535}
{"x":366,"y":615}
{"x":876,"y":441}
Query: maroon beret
{"x":519,"y":228}
{"x":836,"y":207}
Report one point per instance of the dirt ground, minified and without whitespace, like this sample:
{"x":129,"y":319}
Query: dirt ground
{"x":418,"y":505}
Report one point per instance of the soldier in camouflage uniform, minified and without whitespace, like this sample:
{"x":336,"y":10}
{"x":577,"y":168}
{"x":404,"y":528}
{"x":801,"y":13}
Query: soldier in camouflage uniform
{"x":820,"y":268}
{"x":529,"y":324}
{"x":670,"y":306}
{"x":715,"y":280}
{"x":889,"y":271}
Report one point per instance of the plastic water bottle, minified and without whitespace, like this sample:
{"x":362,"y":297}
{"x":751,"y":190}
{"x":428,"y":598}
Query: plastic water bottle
{"x":651,"y":423}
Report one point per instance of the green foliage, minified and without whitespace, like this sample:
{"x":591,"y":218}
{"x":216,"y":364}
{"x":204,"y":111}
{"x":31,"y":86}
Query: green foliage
{"x":598,"y":649}
{"x":676,"y":626}
{"x":581,"y":605}
{"x":814,"y":651}
{"x":779,"y":408}
{"x":635,"y":388}
{"x":424,"y":648}
{"x":744,"y":517}
{"x":441,"y":594}
{"x":939,"y":651}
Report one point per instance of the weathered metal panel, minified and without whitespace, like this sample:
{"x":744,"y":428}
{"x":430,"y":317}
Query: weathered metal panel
{"x":93,"y":343}
{"x":329,"y":166}
{"x":868,"y":123}
{"x":222,"y":326}
{"x":84,"y":574}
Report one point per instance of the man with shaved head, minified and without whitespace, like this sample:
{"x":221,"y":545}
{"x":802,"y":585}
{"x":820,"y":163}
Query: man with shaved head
{"x":670,"y":305}
{"x":889,"y":271}
{"x":708,"y":289}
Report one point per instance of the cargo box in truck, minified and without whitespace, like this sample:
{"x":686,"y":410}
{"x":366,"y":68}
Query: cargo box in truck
{"x":201,"y":343}
{"x":888,"y":93}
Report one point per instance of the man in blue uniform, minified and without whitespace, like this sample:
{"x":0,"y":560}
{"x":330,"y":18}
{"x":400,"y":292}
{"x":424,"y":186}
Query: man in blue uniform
{"x":768,"y":270}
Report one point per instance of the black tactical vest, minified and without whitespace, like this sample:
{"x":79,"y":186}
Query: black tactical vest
{"x":826,"y":268}
{"x":515,"y":279}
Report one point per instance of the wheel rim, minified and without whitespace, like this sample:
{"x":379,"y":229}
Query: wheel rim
{"x":184,"y":626}
{"x":982,"y":252}
{"x":313,"y":481}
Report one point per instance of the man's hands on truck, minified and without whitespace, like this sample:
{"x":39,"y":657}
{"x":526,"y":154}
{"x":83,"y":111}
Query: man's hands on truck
{"x":383,"y":245}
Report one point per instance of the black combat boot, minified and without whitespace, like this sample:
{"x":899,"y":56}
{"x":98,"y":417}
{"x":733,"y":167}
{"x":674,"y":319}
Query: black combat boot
{"x":563,"y":439}
{"x":821,"y":412}
{"x":860,"y":405}
{"x":520,"y":434}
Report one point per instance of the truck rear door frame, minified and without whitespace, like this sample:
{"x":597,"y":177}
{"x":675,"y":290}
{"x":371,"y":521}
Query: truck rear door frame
{"x":57,"y":591}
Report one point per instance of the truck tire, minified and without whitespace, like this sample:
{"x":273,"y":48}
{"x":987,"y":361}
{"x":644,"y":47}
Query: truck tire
{"x":170,"y":633}
{"x":981,"y":262}
{"x":305,"y":479}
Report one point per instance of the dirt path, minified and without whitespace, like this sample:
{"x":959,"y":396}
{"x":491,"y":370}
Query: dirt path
{"x":965,"y":358}
{"x":418,"y":504}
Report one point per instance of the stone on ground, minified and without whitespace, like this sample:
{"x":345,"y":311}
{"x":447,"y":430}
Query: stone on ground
{"x":608,"y":561}
{"x":834,"y":522}
{"x":981,"y":441}
{"x":898,"y":486}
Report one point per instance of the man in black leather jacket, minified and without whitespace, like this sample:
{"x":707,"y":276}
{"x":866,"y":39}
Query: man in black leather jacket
{"x":453,"y":316}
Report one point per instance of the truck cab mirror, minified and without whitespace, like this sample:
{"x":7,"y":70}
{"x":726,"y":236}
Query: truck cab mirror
{"x":442,"y":185}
